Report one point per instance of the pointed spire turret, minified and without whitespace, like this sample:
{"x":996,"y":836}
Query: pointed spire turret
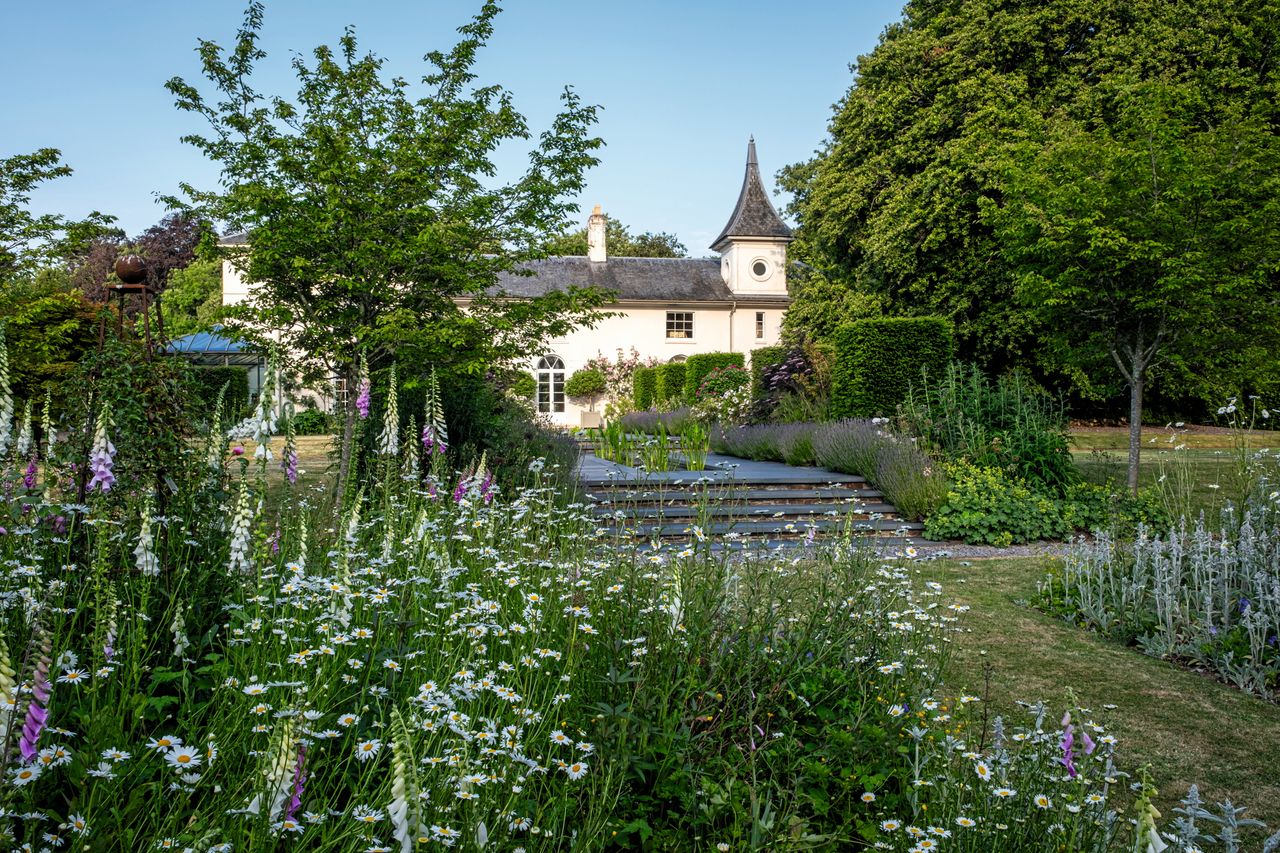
{"x":754,"y":215}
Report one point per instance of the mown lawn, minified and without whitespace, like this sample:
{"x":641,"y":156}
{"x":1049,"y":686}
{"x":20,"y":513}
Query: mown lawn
{"x":1187,"y":727}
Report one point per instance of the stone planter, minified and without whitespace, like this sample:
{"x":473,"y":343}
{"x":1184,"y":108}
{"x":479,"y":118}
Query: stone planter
{"x":590,"y":420}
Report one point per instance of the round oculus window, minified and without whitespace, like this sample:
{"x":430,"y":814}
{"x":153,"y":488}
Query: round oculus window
{"x":759,"y":269}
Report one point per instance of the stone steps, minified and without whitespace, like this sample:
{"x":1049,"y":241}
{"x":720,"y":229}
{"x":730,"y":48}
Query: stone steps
{"x":778,"y":494}
{"x":747,"y":502}
{"x":751,"y":511}
{"x":773,"y":529}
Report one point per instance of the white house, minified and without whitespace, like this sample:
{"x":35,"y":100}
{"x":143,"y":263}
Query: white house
{"x":668,"y":308}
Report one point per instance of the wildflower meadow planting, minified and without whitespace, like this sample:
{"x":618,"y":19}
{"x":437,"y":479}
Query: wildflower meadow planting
{"x":447,"y":659}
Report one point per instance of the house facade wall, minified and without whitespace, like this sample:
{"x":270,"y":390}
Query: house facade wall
{"x":717,"y":327}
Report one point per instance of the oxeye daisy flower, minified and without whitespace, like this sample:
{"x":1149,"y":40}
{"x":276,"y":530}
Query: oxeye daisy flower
{"x":348,"y":719}
{"x":367,"y":749}
{"x":1004,"y":793}
{"x":983,"y":770}
{"x":890,"y":825}
{"x":183,"y":758}
{"x":1042,"y":801}
{"x":560,"y":738}
{"x":366,"y":814}
{"x":576,"y":770}
{"x":26,"y":774}
{"x":868,"y":797}
{"x":966,"y":822}
{"x":73,"y":676}
{"x":163,"y":743}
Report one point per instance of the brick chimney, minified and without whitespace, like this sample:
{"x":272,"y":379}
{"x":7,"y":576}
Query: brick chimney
{"x":596,"y":227}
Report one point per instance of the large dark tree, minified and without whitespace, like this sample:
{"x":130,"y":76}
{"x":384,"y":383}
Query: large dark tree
{"x":374,"y":219}
{"x":893,"y":202}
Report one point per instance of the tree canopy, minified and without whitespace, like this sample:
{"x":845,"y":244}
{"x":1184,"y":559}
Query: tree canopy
{"x":620,"y":242}
{"x":371,"y":203}
{"x":942,"y":124}
{"x":28,"y":241}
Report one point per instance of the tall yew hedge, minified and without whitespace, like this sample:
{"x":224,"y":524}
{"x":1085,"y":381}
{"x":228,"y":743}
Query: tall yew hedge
{"x":644,"y":385}
{"x":669,"y":382}
{"x":876,"y":360}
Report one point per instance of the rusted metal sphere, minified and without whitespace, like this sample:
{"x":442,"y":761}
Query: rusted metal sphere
{"x":131,"y":269}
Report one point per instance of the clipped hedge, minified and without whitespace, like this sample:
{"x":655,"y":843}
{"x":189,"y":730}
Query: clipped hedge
{"x":669,"y":382}
{"x":761,"y":358}
{"x":644,"y":387}
{"x":876,"y":361}
{"x":698,"y":366}
{"x":208,"y":381}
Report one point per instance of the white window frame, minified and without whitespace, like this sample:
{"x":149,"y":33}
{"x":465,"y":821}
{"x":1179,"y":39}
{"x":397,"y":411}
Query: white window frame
{"x":550,"y":376}
{"x":670,"y":338}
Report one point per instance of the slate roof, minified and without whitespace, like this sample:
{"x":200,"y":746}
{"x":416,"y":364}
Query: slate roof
{"x":754,"y":215}
{"x":643,"y":279}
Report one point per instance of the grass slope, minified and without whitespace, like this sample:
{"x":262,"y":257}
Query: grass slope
{"x":1188,"y":727}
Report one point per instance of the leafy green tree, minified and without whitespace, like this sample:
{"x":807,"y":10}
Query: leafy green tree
{"x":192,"y":302}
{"x":1133,"y":236}
{"x":27,"y":241}
{"x":48,"y":328}
{"x":373,"y":218}
{"x":892,"y":202}
{"x":820,"y":305}
{"x":620,"y":242}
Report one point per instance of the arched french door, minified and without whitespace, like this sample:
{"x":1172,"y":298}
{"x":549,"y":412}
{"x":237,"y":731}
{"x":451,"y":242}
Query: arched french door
{"x":550,"y":375}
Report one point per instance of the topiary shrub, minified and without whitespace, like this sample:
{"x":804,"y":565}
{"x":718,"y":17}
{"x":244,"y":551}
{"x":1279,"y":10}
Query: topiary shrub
{"x":644,"y":387}
{"x":586,"y":384}
{"x":668,"y":385}
{"x":877,"y":360}
{"x":698,"y":366}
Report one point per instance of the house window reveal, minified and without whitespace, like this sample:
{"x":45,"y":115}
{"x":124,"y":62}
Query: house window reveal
{"x":550,"y":384}
{"x":679,"y":325}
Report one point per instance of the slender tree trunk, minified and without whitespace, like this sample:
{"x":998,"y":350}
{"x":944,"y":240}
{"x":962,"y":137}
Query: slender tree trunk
{"x":1135,"y":424}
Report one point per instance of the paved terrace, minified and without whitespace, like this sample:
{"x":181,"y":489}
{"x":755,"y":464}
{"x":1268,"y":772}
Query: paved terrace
{"x":594,"y":470}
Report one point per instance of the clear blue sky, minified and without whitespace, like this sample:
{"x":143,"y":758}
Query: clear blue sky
{"x":682,"y":83}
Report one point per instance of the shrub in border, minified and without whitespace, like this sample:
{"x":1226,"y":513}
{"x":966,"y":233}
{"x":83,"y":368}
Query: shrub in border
{"x":669,"y":383}
{"x":877,"y":360}
{"x":644,"y":387}
{"x":208,"y":381}
{"x":761,"y":358}
{"x":698,"y":366}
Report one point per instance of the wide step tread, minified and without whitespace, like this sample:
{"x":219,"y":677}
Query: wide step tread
{"x":890,"y":525}
{"x":748,"y":511}
{"x":731,"y":495}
